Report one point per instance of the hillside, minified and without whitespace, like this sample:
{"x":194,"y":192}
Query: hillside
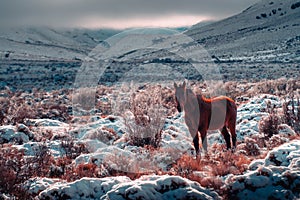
{"x":268,"y":29}
{"x":44,"y":43}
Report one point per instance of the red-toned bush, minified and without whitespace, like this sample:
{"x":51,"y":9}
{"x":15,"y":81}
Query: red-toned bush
{"x":186,"y":165}
{"x":72,"y":149}
{"x":86,"y":170}
{"x":268,"y":126}
{"x":16,"y":107}
{"x":13,"y":172}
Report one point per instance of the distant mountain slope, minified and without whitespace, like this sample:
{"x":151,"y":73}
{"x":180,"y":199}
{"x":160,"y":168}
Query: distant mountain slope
{"x":48,"y":43}
{"x":268,"y":26}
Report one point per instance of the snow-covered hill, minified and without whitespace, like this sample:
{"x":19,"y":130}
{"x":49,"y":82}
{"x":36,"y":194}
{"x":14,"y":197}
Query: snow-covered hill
{"x":269,"y":27}
{"x":41,"y":43}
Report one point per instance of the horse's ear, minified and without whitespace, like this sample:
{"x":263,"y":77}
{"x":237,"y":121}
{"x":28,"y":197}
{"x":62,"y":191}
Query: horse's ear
{"x":175,"y":85}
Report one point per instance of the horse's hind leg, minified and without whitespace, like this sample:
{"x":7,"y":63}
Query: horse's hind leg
{"x":204,"y":140}
{"x":196,"y":143}
{"x":233,"y":133}
{"x":226,"y":136}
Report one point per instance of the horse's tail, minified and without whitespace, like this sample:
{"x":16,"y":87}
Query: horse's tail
{"x":232,"y":109}
{"x":231,"y":105}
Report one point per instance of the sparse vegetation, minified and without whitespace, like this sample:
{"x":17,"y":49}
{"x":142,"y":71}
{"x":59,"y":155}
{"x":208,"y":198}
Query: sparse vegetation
{"x":144,"y":117}
{"x":268,"y":126}
{"x":16,"y":107}
{"x":291,"y":112}
{"x":144,"y":114}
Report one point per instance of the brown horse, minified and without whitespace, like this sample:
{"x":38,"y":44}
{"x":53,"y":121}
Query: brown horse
{"x":202,"y":114}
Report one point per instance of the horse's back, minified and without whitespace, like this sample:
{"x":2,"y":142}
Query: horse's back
{"x":230,"y":103}
{"x":222,"y":111}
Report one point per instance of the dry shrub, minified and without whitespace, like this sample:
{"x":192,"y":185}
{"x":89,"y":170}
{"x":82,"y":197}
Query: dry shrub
{"x":232,"y":90}
{"x":104,"y":134}
{"x":4,"y":107}
{"x":233,"y":163}
{"x":186,"y":165}
{"x":268,"y":125}
{"x":250,"y":147}
{"x":18,"y":110}
{"x":11,"y":175}
{"x":291,"y":111}
{"x":209,"y":170}
{"x":279,"y":87}
{"x":144,"y":116}
{"x":86,"y":170}
{"x":84,"y":99}
{"x":240,"y":89}
{"x":224,"y":164}
{"x":71,"y":172}
{"x":72,"y":149}
{"x":44,"y":135}
{"x":103,"y":104}
{"x":39,"y":164}
{"x":276,"y":140}
{"x":208,"y":181}
{"x":168,"y":100}
{"x":16,"y":107}
{"x":58,"y":168}
{"x":16,"y":168}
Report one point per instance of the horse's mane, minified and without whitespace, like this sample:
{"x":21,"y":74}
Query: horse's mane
{"x":192,"y":101}
{"x":189,"y":92}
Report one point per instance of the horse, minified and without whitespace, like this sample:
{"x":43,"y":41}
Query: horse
{"x":202,"y":114}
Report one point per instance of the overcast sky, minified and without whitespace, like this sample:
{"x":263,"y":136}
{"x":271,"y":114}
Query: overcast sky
{"x":117,"y":13}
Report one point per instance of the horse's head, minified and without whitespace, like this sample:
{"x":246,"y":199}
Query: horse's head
{"x":180,"y":95}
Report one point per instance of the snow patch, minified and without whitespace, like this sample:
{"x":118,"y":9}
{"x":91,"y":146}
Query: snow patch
{"x":8,"y":134}
{"x":146,"y":187}
{"x":275,"y":177}
{"x":85,"y":188}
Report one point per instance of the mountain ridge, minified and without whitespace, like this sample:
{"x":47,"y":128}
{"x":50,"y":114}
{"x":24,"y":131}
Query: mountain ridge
{"x":266,"y":25}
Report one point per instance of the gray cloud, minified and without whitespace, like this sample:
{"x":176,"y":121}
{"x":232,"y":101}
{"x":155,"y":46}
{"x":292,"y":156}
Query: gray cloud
{"x":75,"y":12}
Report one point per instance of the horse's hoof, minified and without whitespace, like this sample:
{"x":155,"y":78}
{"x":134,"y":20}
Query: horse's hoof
{"x":196,"y":157}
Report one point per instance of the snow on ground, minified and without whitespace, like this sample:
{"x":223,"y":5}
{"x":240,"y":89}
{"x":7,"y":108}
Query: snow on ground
{"x":34,"y":148}
{"x":37,"y":185}
{"x":99,"y":126}
{"x":10,"y":134}
{"x":99,"y":133}
{"x":176,"y":135}
{"x":250,"y":113}
{"x":57,"y":128}
{"x":85,"y":188}
{"x":175,"y":142}
{"x":275,"y":177}
{"x":147,"y":187}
